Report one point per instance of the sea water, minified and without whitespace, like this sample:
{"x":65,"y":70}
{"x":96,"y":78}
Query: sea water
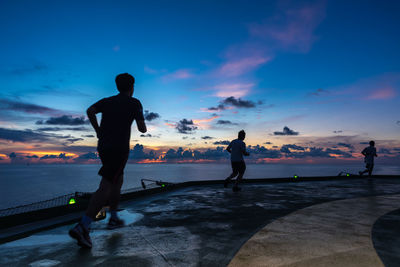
{"x":24,"y":184}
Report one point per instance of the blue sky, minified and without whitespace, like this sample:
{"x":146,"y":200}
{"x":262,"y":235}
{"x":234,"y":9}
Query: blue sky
{"x":327,"y":70}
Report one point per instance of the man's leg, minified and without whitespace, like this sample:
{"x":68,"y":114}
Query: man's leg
{"x":99,"y":199}
{"x":242,"y":169}
{"x":235,"y":172}
{"x":81,"y":231}
{"x":364,"y":171}
{"x":115,"y":193}
{"x":370,"y":168}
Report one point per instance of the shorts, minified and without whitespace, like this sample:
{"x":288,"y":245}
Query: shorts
{"x":114,"y":162}
{"x":238,"y":167}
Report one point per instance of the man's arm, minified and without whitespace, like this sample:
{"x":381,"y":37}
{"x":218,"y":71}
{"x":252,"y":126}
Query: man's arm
{"x":244,"y":150}
{"x":229,"y":148}
{"x":91,"y":113}
{"x":141,"y":125}
{"x":364,"y":152}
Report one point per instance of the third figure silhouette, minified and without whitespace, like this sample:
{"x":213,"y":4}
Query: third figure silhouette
{"x":237,"y":148}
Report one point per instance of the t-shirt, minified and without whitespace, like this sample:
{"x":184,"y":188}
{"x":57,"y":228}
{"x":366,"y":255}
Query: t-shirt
{"x":238,"y":147}
{"x":118,"y":113}
{"x":370,"y":152}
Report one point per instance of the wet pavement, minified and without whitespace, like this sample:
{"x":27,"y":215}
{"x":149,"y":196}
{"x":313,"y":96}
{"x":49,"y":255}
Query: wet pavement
{"x":210,"y":226}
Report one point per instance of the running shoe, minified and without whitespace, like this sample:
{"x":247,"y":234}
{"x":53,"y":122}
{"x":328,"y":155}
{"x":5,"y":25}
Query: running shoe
{"x":81,"y":234}
{"x":114,"y":223}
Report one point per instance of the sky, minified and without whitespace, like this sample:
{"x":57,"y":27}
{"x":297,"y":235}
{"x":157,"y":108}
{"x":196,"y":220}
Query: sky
{"x":309,"y":81}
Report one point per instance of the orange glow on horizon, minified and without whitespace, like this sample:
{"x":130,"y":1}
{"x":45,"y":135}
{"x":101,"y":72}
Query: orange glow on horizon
{"x":43,"y":153}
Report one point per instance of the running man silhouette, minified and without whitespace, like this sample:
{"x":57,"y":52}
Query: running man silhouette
{"x":237,"y":148}
{"x":118,"y":113}
{"x":369,"y":154}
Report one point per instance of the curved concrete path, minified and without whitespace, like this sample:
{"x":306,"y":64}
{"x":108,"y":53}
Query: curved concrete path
{"x":336,"y":233}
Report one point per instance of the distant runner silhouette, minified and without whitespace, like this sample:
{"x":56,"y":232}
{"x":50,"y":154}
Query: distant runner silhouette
{"x":118,"y":113}
{"x":369,"y":154}
{"x":237,"y":148}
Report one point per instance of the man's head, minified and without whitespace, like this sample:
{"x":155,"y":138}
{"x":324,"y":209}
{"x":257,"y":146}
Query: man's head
{"x":125,"y":83}
{"x":371,"y":143}
{"x":241,"y":135}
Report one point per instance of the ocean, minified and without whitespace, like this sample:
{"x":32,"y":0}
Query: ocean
{"x":24,"y":184}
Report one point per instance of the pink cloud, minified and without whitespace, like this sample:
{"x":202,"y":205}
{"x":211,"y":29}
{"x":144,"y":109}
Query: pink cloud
{"x":234,"y":89}
{"x":236,"y":67}
{"x":382,"y":94}
{"x":291,"y":28}
{"x":380,"y":87}
{"x":150,"y":70}
{"x":178,"y":75}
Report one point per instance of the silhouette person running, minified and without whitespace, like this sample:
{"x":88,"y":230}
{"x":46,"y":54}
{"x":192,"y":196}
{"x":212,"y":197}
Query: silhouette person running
{"x":118,"y":113}
{"x":237,"y":148}
{"x":369,"y":154}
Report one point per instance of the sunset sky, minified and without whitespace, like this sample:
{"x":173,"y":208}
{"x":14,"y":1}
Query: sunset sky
{"x":309,"y":81}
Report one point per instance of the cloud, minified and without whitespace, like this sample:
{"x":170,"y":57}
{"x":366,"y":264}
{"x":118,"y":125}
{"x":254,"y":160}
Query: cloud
{"x":149,"y":70}
{"x":225,"y":122}
{"x":34,"y":68}
{"x":258,"y":151}
{"x":180,"y":74}
{"x":88,"y":135}
{"x":268,"y":143}
{"x":28,"y":136}
{"x":146,"y":135}
{"x":288,"y":148}
{"x":90,"y":155}
{"x":138,"y":153}
{"x":149,"y":116}
{"x":57,"y":129}
{"x":234,"y":102}
{"x":207,"y":137}
{"x":204,"y":123}
{"x":339,"y":131}
{"x":385,"y":151}
{"x":64,"y":120}
{"x":73,"y":140}
{"x":186,"y":126}
{"x":350,"y":146}
{"x":239,"y":66}
{"x":12,"y":105}
{"x":398,"y":123}
{"x":60,"y":156}
{"x":225,"y":142}
{"x":233,"y":89}
{"x":318,"y":92}
{"x":382,"y":94}
{"x":292,"y":27}
{"x":286,"y":131}
{"x":239,"y":103}
{"x":364,"y":143}
{"x":220,"y":107}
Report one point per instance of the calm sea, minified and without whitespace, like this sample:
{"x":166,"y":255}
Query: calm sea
{"x":22,"y":184}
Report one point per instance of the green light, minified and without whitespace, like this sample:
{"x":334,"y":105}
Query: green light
{"x":295,"y":177}
{"x":163,"y":185}
{"x":72,"y":201}
{"x":348,"y":174}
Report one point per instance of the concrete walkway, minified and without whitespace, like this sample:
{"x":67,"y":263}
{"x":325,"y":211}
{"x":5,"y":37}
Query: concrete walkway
{"x":336,"y":233}
{"x":208,"y":225}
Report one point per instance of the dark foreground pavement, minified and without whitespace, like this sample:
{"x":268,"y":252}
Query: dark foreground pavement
{"x":205,"y":225}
